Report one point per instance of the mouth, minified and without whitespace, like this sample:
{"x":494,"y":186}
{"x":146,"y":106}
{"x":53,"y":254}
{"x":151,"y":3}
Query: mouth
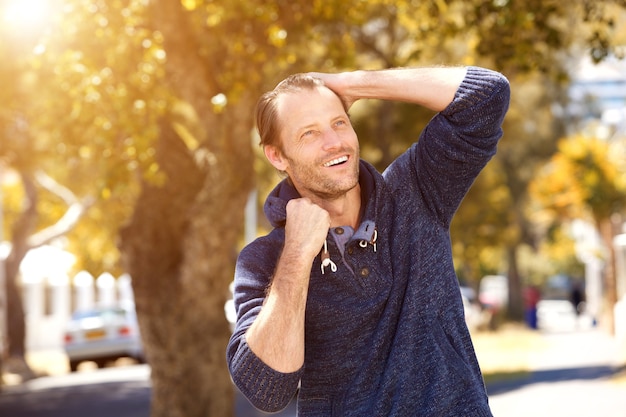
{"x":337,"y":161}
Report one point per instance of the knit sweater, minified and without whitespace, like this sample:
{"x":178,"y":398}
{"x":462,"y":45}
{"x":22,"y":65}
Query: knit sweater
{"x":385,"y":333}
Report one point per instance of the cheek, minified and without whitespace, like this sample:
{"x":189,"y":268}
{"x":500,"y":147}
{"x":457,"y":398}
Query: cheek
{"x":352,"y":144}
{"x":301,"y":152}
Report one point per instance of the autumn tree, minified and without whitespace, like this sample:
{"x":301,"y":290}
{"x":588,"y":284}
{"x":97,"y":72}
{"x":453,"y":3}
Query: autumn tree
{"x":585,"y":180}
{"x":30,"y":224}
{"x":531,"y":42}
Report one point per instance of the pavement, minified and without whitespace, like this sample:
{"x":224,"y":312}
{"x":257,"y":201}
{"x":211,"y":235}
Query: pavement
{"x":576,"y":372}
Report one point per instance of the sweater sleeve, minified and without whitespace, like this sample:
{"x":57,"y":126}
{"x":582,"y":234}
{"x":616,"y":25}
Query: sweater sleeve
{"x":266,"y":388}
{"x":456,"y":144}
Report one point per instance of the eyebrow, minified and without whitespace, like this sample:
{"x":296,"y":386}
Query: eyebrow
{"x":341,"y":116}
{"x":305,"y":128}
{"x":333,"y":119}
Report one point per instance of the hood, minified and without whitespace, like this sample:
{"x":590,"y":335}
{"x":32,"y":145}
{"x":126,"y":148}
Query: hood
{"x":275,"y":207}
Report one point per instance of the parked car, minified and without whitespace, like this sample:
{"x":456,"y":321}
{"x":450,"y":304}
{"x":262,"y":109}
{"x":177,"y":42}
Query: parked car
{"x":474,"y":316}
{"x":229,"y":308}
{"x":556,"y":314}
{"x":493,"y":291}
{"x":103,"y":334}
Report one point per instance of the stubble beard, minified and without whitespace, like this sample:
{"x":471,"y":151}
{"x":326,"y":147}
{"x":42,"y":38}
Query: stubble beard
{"x":323,"y":186}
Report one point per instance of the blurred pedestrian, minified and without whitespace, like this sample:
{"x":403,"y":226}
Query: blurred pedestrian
{"x":532,"y":295}
{"x":577,"y":297}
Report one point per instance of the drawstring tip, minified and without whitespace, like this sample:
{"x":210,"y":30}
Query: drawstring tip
{"x":326,"y":261}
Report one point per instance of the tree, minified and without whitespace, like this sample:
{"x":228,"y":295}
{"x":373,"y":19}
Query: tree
{"x":530,"y":129}
{"x":24,"y":238}
{"x":585,"y":179}
{"x":29,"y":228}
{"x":531,"y":43}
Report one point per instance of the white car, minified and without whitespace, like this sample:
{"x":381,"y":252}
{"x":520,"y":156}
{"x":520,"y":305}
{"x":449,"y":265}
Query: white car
{"x":474,"y":316}
{"x":556,"y":314}
{"x":103,"y":334}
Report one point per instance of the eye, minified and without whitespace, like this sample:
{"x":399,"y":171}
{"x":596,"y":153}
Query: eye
{"x":308,"y":134}
{"x":341,"y":123}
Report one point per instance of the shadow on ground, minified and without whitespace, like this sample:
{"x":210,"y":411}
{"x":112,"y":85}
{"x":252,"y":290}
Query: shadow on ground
{"x":117,"y":398}
{"x":96,"y":400}
{"x":501,"y":382}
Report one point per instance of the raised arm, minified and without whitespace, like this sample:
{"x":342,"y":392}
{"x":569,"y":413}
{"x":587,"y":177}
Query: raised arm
{"x":431,"y":87}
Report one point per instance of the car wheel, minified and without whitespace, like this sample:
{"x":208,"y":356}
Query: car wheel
{"x":74,"y":365}
{"x":101,"y":363}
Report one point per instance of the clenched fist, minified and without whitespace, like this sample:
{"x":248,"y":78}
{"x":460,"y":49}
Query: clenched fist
{"x":306,"y":227}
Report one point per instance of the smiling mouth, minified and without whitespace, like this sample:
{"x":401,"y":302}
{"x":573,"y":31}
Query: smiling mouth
{"x":336,"y":161}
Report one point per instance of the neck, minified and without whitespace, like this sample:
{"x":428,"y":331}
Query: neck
{"x":344,"y":210}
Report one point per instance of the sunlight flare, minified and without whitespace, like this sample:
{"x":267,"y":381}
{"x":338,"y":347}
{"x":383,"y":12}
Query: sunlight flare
{"x":25,"y":15}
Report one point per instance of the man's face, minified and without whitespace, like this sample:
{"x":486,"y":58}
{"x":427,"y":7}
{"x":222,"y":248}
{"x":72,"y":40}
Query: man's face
{"x":320,"y":150}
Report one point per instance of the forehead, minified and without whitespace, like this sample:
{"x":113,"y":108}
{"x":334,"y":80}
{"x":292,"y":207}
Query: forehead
{"x":301,"y":108}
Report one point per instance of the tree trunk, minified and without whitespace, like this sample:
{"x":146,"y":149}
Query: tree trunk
{"x":16,"y":325}
{"x":610,"y":282}
{"x":16,"y":329}
{"x":516,"y":302}
{"x":178,"y":250}
{"x":180,"y":244}
{"x":152,"y":252}
{"x":384,"y":131}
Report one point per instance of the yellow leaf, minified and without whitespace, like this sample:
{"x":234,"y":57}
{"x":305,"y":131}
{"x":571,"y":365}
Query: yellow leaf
{"x":190,"y":4}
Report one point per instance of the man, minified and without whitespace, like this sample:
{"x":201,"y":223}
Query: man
{"x":352,"y":296}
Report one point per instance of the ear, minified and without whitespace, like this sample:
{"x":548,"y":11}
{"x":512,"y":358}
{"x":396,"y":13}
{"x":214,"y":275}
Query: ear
{"x":275,"y":156}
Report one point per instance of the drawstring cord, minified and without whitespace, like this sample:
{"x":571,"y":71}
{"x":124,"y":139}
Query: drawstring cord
{"x":372,"y":242}
{"x":326,"y":261}
{"x":325,"y":256}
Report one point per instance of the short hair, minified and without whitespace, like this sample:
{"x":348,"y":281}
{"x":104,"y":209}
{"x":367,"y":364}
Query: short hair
{"x":267,"y":117}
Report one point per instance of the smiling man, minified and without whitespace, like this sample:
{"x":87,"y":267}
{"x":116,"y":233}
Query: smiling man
{"x":352,"y":296}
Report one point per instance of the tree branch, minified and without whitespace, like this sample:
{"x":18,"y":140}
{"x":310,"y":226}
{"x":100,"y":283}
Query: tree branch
{"x":55,"y":188}
{"x":75,"y":211}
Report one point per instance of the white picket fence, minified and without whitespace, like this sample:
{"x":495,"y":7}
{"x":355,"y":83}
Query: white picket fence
{"x":50,"y":296}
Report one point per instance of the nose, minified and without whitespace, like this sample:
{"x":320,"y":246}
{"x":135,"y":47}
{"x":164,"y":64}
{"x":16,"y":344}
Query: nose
{"x":331,"y":139}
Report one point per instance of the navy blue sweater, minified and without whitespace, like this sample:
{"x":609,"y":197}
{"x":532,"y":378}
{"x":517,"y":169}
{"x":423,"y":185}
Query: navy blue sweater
{"x":385,"y":334}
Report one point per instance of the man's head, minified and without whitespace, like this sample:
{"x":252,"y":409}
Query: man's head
{"x":306,"y":132}
{"x":267,"y":117}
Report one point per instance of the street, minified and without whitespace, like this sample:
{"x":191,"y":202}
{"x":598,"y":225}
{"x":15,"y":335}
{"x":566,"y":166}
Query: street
{"x":111,"y":392}
{"x":578,"y":374}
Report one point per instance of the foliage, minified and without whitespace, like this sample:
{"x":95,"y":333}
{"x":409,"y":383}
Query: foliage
{"x":88,"y":117}
{"x":98,"y":73}
{"x":582,"y":180}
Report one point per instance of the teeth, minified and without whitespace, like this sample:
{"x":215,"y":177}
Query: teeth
{"x":336,"y":161}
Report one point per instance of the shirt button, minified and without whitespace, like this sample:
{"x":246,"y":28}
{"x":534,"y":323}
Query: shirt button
{"x":339,"y":230}
{"x":365,"y":272}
